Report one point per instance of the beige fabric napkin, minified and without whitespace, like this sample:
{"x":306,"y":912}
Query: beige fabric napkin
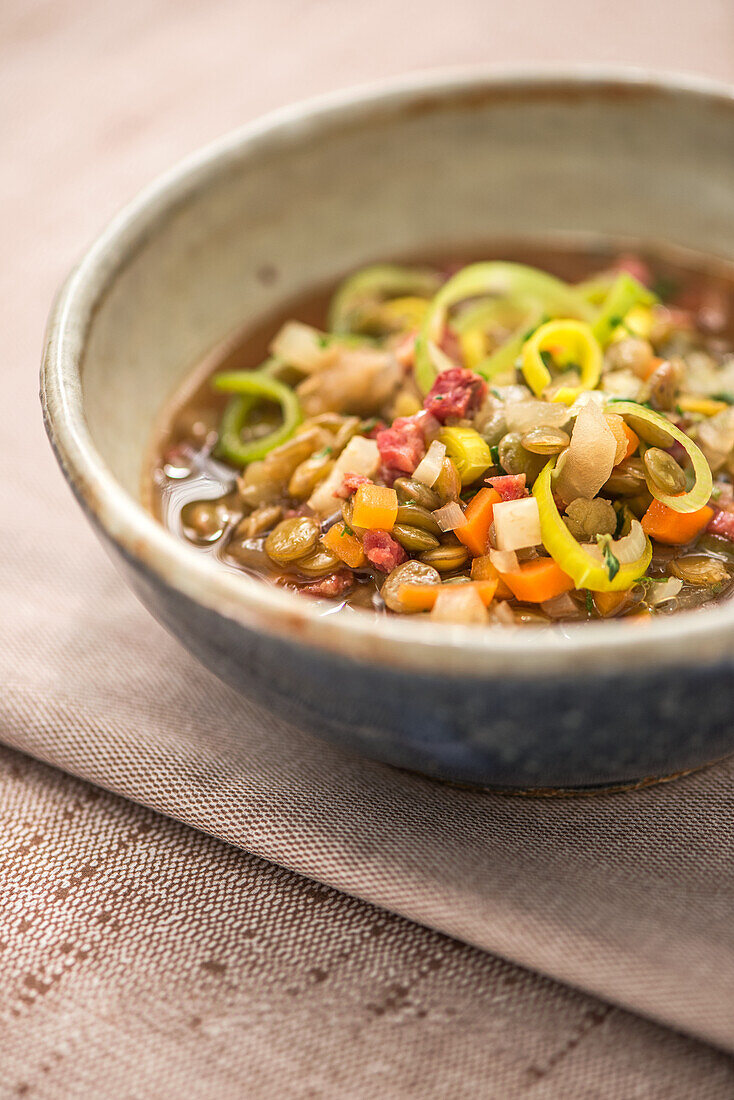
{"x":144,"y":960}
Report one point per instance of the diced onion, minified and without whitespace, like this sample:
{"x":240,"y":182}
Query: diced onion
{"x":716,"y":438}
{"x":588,"y":397}
{"x":629,"y":548}
{"x":632,"y":546}
{"x":523,"y":415}
{"x":450,"y":517}
{"x":504,"y":561}
{"x":429,"y":467}
{"x":303,"y":347}
{"x":360,"y":456}
{"x":560,"y":607}
{"x":661,"y":591}
{"x":517,"y":524}
{"x":503,"y":613}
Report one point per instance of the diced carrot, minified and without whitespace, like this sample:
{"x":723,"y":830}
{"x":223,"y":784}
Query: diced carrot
{"x":478,"y":515}
{"x":375,"y":507}
{"x":633,"y":440}
{"x":482,"y":569}
{"x":674,"y":528}
{"x":345,"y":544}
{"x":422,"y":597}
{"x":607,"y":603}
{"x":538,"y":581}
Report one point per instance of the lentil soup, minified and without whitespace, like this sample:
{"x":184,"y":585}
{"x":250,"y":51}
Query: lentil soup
{"x":546,"y":436}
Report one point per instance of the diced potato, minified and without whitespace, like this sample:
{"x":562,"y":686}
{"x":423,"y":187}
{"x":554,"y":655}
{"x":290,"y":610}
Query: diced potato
{"x":360,"y":456}
{"x":459,"y":603}
{"x":517,"y":524}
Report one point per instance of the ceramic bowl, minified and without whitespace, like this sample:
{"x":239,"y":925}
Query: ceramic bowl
{"x":297,"y":200}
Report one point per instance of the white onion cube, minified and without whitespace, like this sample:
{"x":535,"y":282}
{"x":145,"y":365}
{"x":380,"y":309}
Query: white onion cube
{"x":517,"y":524}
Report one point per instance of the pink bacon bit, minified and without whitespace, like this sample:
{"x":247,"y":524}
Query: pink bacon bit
{"x":401,"y":447}
{"x":509,"y":486}
{"x":350,"y":485}
{"x":722,"y":524}
{"x":378,"y":426}
{"x":383,"y":551}
{"x":636,"y":267}
{"x":455,"y":393}
{"x":330,"y":586}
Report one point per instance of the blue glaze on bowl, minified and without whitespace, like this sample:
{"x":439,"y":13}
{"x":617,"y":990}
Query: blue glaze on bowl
{"x":558,"y":732}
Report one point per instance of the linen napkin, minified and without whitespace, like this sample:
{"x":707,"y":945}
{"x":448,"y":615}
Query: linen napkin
{"x":144,"y":959}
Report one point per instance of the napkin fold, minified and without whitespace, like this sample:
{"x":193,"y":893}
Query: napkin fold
{"x":626,"y":896}
{"x":142,"y":958}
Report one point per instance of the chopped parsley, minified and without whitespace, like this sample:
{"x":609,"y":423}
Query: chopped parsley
{"x":604,"y":542}
{"x":727,"y":398}
{"x":346,"y":530}
{"x":589,"y":601}
{"x":495,"y":454}
{"x":323,"y":453}
{"x":664,"y":287}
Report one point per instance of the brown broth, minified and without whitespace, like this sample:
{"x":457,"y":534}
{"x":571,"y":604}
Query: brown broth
{"x":190,"y":417}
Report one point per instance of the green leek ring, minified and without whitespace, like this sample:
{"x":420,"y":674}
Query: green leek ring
{"x":252,"y":386}
{"x":585,"y":570}
{"x":515,"y":282}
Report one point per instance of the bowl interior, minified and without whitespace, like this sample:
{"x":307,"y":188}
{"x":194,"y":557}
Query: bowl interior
{"x":304,"y":197}
{"x":301,"y":203}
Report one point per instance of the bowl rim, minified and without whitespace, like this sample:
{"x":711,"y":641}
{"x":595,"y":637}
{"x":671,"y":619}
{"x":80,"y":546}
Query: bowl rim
{"x":399,"y":643}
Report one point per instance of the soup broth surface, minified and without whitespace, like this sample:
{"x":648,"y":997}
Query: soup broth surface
{"x":199,"y":495}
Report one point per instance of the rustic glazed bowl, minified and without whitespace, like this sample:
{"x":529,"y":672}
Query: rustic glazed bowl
{"x":297,"y":200}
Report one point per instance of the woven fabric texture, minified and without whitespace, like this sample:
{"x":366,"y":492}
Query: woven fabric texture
{"x":142,"y":959}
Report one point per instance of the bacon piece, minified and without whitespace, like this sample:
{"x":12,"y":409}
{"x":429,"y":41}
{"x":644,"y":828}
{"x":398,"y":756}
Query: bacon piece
{"x":455,"y":393}
{"x":635,"y":266}
{"x":401,"y":446}
{"x":351,"y":483}
{"x":722,"y":524}
{"x":509,"y":486}
{"x":383,"y":551}
{"x":330,"y":586}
